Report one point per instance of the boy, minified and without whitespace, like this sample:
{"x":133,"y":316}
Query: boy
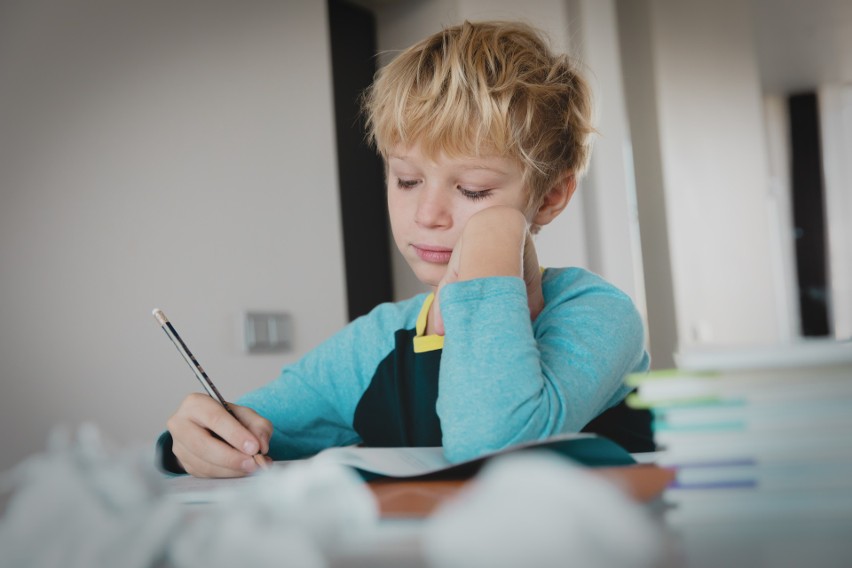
{"x":484,"y":133}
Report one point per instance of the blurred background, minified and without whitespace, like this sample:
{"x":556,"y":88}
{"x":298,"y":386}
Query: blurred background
{"x":206,"y":158}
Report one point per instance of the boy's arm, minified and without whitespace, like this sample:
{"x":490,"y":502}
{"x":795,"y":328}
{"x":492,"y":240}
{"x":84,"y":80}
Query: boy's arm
{"x":506,"y":379}
{"x":495,"y":242}
{"x":311,"y":404}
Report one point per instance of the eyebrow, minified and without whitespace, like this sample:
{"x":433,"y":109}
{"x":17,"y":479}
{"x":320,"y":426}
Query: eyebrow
{"x":472,"y":166}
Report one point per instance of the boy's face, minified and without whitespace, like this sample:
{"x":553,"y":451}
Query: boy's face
{"x":431,"y":200}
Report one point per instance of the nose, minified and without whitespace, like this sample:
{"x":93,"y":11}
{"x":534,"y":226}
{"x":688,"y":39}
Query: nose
{"x":433,"y":208}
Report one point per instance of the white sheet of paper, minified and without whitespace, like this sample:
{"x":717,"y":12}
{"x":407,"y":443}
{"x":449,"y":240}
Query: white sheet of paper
{"x":393,"y":462}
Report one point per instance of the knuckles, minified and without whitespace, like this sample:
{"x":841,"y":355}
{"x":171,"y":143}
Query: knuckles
{"x":195,"y":400}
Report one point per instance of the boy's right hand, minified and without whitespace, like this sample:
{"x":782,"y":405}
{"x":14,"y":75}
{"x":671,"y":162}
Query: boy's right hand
{"x":495,"y":242}
{"x":209,"y":442}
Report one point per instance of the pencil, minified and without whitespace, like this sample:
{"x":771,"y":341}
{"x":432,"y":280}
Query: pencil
{"x":198,"y":370}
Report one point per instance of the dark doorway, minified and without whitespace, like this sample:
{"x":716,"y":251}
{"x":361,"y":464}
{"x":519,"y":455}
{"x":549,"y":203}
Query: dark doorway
{"x":366,"y":244}
{"x":809,"y":213}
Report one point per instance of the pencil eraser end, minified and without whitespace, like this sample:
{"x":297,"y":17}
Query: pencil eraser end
{"x":161,"y":317}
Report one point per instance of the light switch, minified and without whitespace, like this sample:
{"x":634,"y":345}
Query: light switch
{"x":268,"y":332}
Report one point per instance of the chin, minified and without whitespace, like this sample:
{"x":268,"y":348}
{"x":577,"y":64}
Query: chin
{"x":430,"y":276}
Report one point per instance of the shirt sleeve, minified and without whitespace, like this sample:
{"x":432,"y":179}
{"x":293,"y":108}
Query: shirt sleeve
{"x":506,"y":380}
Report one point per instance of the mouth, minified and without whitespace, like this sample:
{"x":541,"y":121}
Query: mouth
{"x":433,"y":254}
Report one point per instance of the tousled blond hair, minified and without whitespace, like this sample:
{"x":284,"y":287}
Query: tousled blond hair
{"x":486,"y":88}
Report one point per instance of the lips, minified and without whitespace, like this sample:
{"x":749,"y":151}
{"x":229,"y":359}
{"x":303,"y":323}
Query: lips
{"x":433,"y":254}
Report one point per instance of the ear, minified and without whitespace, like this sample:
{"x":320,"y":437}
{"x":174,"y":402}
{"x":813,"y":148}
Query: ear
{"x":555,"y":200}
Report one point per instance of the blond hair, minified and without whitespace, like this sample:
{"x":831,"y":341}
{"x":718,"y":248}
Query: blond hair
{"x":486,"y":88}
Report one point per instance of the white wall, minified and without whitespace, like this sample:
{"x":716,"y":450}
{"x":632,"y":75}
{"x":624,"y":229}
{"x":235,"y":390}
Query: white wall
{"x":776,"y":117}
{"x":157,"y":154}
{"x":835,"y":107}
{"x":635,"y":41}
{"x":613,"y":245}
{"x":713,"y":165}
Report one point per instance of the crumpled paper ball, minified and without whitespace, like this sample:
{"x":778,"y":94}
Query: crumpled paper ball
{"x":539,"y":509}
{"x":79,"y":506}
{"x":298,"y":515}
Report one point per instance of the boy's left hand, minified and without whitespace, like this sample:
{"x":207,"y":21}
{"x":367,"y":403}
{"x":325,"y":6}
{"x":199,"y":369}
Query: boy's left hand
{"x":495,"y":242}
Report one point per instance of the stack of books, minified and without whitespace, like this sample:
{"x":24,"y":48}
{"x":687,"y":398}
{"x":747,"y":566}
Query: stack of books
{"x":759,"y":437}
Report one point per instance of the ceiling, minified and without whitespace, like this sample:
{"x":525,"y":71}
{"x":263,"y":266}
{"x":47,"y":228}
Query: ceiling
{"x":803,"y":43}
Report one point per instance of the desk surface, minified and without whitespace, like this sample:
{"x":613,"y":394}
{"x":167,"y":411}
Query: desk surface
{"x":417,"y":499}
{"x":788,"y":542}
{"x":785,"y":537}
{"x":812,"y":530}
{"x":718,"y":531}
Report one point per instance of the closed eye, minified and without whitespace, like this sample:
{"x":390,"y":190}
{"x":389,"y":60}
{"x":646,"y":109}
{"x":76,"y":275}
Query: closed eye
{"x":406,"y":183}
{"x":474,"y":195}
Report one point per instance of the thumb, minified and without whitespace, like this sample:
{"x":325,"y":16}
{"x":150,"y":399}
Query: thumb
{"x":435,"y":319}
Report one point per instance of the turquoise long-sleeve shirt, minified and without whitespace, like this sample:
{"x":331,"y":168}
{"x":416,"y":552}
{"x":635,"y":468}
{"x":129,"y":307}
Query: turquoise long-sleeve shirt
{"x":495,"y":379}
{"x":500,"y":379}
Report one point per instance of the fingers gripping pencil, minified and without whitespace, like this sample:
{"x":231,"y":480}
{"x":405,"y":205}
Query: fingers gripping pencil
{"x":197,"y":369}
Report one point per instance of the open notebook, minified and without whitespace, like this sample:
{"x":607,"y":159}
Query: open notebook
{"x":586,"y":449}
{"x":425,"y":463}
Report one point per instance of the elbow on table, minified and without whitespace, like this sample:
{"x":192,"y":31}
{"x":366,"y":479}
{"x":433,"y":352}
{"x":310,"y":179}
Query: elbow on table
{"x":469,"y":444}
{"x":462,"y":452}
{"x":470,"y":431}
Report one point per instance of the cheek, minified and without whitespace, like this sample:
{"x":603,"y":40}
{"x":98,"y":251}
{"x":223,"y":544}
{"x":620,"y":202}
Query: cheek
{"x":395,"y":209}
{"x":397,"y":217}
{"x":463,"y":214}
{"x":402,"y":207}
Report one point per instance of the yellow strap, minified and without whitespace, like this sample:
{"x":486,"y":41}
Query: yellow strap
{"x":424,"y":343}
